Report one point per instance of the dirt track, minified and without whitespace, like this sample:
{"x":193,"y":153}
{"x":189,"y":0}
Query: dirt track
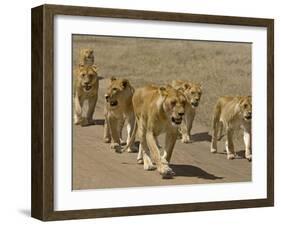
{"x":96,"y":166}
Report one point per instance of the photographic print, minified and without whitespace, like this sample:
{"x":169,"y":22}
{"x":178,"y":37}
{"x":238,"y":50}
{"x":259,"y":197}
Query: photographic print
{"x":145,"y":112}
{"x":158,"y":112}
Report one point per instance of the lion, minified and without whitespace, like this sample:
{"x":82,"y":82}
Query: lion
{"x":233,"y":113}
{"x":86,"y":88}
{"x":192,"y":92}
{"x":118,"y":110}
{"x":87,"y":57}
{"x":158,"y":110}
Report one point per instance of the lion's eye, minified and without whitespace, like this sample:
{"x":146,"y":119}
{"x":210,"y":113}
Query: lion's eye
{"x":83,"y":75}
{"x":245,"y":105}
{"x":114,"y":89}
{"x":192,"y":92}
{"x":173,"y":102}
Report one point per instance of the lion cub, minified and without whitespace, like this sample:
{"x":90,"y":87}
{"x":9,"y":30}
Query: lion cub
{"x":233,"y":113}
{"x":192,"y":92}
{"x":158,"y":110}
{"x":118,"y":110}
{"x":87,"y":57}
{"x":86,"y":88}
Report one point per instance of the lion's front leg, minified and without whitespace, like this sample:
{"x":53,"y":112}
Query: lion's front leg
{"x":144,"y":152}
{"x":130,"y":127}
{"x":162,"y":166}
{"x":229,"y":144}
{"x":78,"y":103}
{"x":247,"y":141}
{"x":171,"y":137}
{"x":120,"y":129}
{"x":115,"y":138}
{"x":140,"y":155}
{"x":189,"y":123}
{"x":214,"y":140}
{"x":106,"y":133}
{"x":147,"y":162}
{"x":91,"y":109}
{"x":183,"y":131}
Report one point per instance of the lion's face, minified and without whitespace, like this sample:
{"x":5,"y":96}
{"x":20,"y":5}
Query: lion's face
{"x":87,"y":77}
{"x":173,"y":105}
{"x":193,"y":93}
{"x":117,"y":91}
{"x":246,"y":108}
{"x":88,"y":54}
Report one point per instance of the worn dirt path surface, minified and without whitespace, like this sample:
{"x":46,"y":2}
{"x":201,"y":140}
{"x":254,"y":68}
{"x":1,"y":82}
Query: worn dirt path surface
{"x":96,"y":166}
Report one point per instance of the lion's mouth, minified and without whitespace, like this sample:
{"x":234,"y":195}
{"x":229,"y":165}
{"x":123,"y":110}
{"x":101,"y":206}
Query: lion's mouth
{"x":113,"y":103}
{"x":195,"y":104}
{"x":177,"y":121}
{"x":87,"y":87}
{"x":248,"y":117}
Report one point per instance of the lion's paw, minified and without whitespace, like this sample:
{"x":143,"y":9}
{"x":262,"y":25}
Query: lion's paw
{"x":230,"y":156}
{"x":213,"y":150}
{"x":249,"y":157}
{"x":166,"y":172}
{"x":149,"y":167}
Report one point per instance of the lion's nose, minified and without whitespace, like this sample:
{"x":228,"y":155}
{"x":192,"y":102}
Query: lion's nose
{"x":181,"y":113}
{"x":86,"y":83}
{"x":106,"y":97}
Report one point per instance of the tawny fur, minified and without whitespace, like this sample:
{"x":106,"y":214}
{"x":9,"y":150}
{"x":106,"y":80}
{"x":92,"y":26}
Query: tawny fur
{"x":86,"y":88}
{"x":158,"y":110}
{"x":231,"y":114}
{"x":118,"y":110}
{"x":87,"y":57}
{"x":192,"y":92}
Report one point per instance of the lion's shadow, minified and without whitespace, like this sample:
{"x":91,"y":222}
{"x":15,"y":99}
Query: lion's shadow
{"x":193,"y":171}
{"x":199,"y":137}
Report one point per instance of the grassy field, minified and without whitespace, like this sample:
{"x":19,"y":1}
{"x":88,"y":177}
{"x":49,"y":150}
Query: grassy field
{"x":222,"y":68}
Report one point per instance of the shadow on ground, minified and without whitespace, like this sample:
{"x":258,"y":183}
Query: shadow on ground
{"x":193,"y":171}
{"x":199,"y":137}
{"x":99,"y":122}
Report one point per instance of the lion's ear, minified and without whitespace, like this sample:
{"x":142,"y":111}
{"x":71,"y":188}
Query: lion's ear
{"x":163,"y":91}
{"x":181,"y":90}
{"x":186,"y":86}
{"x":125,"y":83}
{"x":112,"y":78}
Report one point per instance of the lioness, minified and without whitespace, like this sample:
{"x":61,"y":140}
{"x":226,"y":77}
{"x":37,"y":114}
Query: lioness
{"x":118,"y":109}
{"x":86,"y":88}
{"x":158,"y":110}
{"x":233,"y":113}
{"x":192,"y":92}
{"x":87,"y":57}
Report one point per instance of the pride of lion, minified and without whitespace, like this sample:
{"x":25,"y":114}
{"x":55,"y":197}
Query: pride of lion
{"x":152,"y":110}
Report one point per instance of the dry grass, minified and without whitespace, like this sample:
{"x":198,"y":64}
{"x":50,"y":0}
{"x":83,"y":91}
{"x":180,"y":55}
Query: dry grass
{"x":222,"y":68}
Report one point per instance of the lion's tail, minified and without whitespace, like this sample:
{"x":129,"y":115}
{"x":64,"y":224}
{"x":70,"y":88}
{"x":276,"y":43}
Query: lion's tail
{"x":132,"y":138}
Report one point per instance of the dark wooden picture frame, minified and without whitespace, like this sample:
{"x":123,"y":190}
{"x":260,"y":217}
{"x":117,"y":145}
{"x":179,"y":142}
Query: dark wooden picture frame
{"x":42,"y":203}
